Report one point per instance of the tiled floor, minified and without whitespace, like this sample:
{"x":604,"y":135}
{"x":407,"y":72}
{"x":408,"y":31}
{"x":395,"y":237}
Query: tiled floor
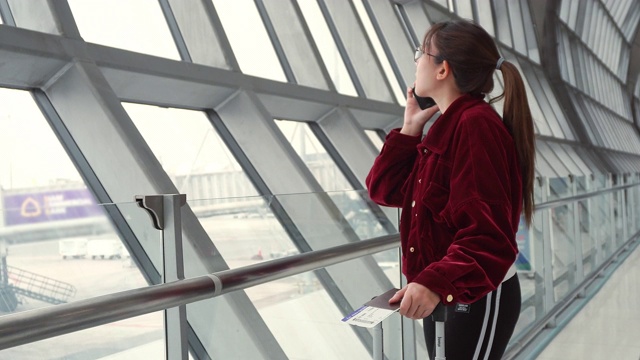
{"x":608,"y":327}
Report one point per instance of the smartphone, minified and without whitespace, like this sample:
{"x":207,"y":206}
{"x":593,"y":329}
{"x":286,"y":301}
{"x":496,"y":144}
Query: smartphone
{"x":423,"y":102}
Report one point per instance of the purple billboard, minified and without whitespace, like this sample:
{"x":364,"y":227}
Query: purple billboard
{"x":52,"y":205}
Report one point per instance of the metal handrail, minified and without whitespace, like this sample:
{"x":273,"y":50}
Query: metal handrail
{"x":33,"y":325}
{"x":571,"y":199}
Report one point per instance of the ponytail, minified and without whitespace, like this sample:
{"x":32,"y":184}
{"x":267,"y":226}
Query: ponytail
{"x":474,"y":58}
{"x":518,"y":120}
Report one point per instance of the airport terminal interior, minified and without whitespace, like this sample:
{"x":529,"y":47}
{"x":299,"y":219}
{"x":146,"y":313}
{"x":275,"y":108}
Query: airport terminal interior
{"x":185,"y":179}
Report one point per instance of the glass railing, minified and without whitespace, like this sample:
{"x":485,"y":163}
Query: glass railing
{"x":67,"y":253}
{"x":580,"y":223}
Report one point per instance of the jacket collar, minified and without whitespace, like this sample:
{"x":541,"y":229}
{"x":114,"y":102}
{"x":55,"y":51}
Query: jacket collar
{"x":439,"y":135}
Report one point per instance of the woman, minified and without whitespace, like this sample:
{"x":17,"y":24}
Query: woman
{"x":462,"y":189}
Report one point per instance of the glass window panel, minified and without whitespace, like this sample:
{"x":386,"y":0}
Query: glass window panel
{"x":573,"y":14}
{"x":57,"y":244}
{"x":243,"y":229}
{"x":568,"y":65}
{"x":33,"y":16}
{"x":558,"y":119}
{"x":201,"y":150}
{"x":595,"y":124}
{"x":351,"y":203}
{"x":537,"y":102}
{"x":564,"y":10}
{"x":384,"y":61}
{"x":543,"y":167}
{"x":517,"y":28}
{"x":548,"y":116}
{"x":485,"y":17}
{"x":565,"y":158}
{"x":302,"y":315}
{"x":314,"y":155}
{"x":464,"y":9}
{"x":327,"y":47}
{"x":375,"y":139}
{"x":118,"y":23}
{"x":588,"y":18}
{"x":239,"y":222}
{"x":502,"y":22}
{"x":585,"y":169}
{"x":582,"y":115}
{"x":299,"y":49}
{"x":32,"y":155}
{"x":600,"y":36}
{"x":530,"y":33}
{"x":443,"y":3}
{"x":140,"y":337}
{"x":591,"y":13}
{"x":253,"y":49}
{"x":552,"y":159}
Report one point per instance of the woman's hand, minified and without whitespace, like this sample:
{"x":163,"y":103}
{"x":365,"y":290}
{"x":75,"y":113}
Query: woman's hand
{"x":414,"y":117}
{"x":417,"y":301}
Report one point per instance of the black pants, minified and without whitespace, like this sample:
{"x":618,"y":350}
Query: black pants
{"x":483,"y":332}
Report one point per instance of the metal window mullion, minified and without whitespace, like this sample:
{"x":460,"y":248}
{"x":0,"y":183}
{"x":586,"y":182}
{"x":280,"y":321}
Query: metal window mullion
{"x":175,"y":30}
{"x":5,"y":11}
{"x":625,"y":194}
{"x":165,"y":210}
{"x":547,"y":257}
{"x":577,"y":234}
{"x":275,"y":41}
{"x":341,"y":49}
{"x":175,"y":318}
{"x":138,"y":254}
{"x":385,"y":45}
{"x":612,"y":223}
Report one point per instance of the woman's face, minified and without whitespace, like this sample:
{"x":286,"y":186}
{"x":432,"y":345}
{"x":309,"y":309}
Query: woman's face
{"x":426,"y":70}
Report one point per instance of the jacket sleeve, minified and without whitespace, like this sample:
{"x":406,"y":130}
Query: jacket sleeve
{"x":485,"y":183}
{"x":391,"y":168}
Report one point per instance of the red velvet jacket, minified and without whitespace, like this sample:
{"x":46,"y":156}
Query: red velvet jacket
{"x":460,"y":191}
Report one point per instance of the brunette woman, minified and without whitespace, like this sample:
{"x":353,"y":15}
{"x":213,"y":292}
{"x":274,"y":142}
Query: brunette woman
{"x":462,"y":188}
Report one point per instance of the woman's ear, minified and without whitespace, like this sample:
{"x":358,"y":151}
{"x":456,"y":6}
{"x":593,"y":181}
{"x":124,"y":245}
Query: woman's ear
{"x":444,"y":70}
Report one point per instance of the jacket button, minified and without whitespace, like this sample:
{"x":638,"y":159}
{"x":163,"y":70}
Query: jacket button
{"x":449,"y":298}
{"x":424,"y":151}
{"x":413,"y":203}
{"x":412,"y":249}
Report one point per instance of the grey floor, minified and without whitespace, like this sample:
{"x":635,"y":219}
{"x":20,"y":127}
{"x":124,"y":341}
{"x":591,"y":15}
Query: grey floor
{"x":608,"y":327}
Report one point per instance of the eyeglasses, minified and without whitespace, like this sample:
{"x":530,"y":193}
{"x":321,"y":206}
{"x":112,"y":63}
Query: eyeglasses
{"x":418,"y":54}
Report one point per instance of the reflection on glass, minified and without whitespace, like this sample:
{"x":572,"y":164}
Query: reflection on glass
{"x":138,"y":26}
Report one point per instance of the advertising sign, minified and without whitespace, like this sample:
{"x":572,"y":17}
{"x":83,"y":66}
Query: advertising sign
{"x":52,"y":205}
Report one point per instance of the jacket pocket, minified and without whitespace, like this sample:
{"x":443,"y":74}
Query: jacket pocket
{"x":436,"y":198}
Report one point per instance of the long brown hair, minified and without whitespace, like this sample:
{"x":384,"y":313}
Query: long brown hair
{"x":472,"y":56}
